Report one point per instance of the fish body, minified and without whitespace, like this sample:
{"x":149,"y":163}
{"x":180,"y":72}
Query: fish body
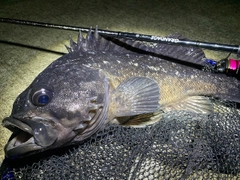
{"x":103,"y":81}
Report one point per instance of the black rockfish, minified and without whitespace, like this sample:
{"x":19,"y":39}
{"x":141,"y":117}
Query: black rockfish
{"x":103,"y":80}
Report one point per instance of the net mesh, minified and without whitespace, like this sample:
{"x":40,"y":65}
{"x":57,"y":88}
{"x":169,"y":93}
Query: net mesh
{"x":182,"y":145}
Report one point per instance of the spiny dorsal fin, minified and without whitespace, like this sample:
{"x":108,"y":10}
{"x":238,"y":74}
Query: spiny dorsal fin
{"x":98,"y":43}
{"x":95,"y":42}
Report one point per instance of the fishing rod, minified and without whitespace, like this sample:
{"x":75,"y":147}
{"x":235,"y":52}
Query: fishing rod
{"x":226,"y":65}
{"x":141,"y":37}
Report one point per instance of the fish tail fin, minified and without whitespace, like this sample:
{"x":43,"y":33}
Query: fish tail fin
{"x":232,"y":93}
{"x":227,"y":89}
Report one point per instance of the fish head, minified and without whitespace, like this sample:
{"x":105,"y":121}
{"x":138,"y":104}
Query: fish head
{"x":65,"y":103}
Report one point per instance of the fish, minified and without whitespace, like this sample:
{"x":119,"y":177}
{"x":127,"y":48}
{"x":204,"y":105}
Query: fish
{"x":105,"y":80}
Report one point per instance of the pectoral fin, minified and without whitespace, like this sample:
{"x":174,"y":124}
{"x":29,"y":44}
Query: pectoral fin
{"x":196,"y":104}
{"x":134,"y":96}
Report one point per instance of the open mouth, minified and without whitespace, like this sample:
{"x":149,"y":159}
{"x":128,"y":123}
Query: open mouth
{"x":22,"y":139}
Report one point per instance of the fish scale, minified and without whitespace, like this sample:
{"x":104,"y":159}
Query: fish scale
{"x":174,"y":83}
{"x":104,"y":80}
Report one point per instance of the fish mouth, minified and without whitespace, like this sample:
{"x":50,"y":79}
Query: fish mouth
{"x":22,"y":139}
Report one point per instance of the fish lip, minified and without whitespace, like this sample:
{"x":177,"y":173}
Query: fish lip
{"x":22,"y":139}
{"x":13,"y":123}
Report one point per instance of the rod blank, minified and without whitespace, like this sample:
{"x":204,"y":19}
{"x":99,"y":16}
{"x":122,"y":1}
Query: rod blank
{"x":142,"y":37}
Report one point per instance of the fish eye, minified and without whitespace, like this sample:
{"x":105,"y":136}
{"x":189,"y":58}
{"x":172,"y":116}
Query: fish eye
{"x":42,"y":97}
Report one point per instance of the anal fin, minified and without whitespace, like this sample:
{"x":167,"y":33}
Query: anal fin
{"x":196,"y":104}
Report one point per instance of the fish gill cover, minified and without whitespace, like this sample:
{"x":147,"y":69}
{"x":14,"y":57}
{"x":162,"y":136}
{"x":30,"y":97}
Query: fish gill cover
{"x":182,"y":144}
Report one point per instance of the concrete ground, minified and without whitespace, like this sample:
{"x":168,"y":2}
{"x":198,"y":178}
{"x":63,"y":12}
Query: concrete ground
{"x":20,"y":61}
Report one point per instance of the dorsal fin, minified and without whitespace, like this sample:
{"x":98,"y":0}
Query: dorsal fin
{"x":184,"y":53}
{"x":95,"y":43}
